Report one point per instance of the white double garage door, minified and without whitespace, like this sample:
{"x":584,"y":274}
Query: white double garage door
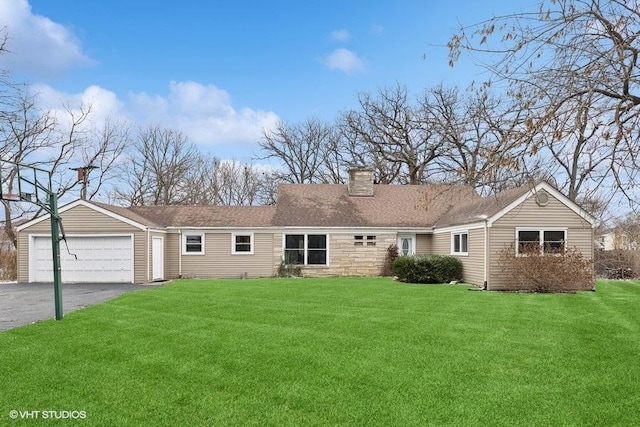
{"x":97,"y":259}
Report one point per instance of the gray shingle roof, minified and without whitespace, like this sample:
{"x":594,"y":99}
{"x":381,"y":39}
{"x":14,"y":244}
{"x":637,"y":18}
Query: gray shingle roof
{"x":207,"y":216}
{"x":329,"y":205}
{"x":126,"y":213}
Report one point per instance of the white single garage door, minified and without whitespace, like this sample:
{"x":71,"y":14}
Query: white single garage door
{"x":106,"y":259}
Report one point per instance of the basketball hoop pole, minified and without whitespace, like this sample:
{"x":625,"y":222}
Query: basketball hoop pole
{"x":55,"y":246}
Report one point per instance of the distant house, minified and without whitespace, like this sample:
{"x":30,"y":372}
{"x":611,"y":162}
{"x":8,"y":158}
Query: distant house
{"x":614,"y":238}
{"x":329,"y":230}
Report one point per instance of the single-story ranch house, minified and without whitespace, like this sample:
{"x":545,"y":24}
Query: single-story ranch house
{"x":330,"y":230}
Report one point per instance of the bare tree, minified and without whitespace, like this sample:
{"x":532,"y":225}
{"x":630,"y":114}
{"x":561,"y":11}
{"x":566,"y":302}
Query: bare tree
{"x":228,"y":182}
{"x":576,"y":144}
{"x":158,"y":164}
{"x":307,"y":151}
{"x":571,"y":55}
{"x":103,"y":152}
{"x":485,"y":146}
{"x":627,"y":229}
{"x":392,"y":134}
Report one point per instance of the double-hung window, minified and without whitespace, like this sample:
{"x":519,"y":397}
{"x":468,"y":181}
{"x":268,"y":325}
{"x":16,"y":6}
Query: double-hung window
{"x":305,"y":249}
{"x":460,"y":243}
{"x":544,"y":241}
{"x":242,"y":243}
{"x":193,"y":243}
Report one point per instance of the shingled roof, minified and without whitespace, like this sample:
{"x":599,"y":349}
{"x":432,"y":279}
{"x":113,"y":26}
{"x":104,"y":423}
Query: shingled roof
{"x":474,"y":210}
{"x":329,"y":205}
{"x":126,"y":213}
{"x":207,"y":216}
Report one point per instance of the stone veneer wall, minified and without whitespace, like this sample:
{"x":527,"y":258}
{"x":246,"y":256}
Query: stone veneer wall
{"x":348,"y":259}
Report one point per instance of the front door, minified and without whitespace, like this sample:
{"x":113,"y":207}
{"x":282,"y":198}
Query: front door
{"x":406,"y":244}
{"x":157,"y":258}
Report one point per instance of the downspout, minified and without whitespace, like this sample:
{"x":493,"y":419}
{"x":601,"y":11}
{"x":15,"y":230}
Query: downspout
{"x":148,"y":254}
{"x":485,"y":285}
{"x":180,"y":254}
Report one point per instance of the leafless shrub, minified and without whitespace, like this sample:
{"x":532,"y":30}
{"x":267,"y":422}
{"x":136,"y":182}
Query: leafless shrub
{"x":617,"y":264}
{"x":390,"y":257}
{"x":560,"y":271}
{"x":8,"y":265}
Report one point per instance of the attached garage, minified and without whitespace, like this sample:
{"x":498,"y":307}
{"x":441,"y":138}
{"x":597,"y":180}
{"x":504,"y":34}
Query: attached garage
{"x":88,"y":259}
{"x":106,"y":244}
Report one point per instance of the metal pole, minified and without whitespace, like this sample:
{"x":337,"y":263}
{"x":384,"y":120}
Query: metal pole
{"x":55,"y":246}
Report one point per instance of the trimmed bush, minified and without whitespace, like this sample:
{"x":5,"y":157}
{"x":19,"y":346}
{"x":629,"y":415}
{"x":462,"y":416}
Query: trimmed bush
{"x":427,"y":269}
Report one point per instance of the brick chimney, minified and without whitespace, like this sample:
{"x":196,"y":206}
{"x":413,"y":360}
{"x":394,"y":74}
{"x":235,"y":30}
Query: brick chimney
{"x":361,"y":181}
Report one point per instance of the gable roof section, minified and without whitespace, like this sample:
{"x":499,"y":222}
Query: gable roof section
{"x":112,"y":211}
{"x":206,"y":216}
{"x":496,"y":206}
{"x":329,"y":205}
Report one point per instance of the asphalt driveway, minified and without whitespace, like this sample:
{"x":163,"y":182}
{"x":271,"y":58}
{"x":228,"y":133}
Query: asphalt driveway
{"x":22,"y":304}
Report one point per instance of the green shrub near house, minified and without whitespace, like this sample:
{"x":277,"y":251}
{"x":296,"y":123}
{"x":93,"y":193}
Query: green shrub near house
{"x":427,"y":268}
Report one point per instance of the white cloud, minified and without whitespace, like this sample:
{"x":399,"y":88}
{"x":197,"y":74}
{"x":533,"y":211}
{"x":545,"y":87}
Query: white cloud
{"x":103,"y":104}
{"x":340,"y":35}
{"x":37,"y":44}
{"x":344,"y":60}
{"x":203,"y":112}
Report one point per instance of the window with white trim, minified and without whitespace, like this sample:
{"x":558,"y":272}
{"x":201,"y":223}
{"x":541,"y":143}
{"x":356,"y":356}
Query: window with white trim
{"x":242,"y":243}
{"x":193,"y":243}
{"x":545,"y":241}
{"x":305,"y":249}
{"x":460,"y":243}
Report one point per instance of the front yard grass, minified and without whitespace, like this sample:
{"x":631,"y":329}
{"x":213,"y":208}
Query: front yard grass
{"x":361,"y":351}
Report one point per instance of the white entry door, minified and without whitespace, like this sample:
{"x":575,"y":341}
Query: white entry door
{"x":406,"y":244}
{"x":98,"y":259}
{"x":157,"y":249}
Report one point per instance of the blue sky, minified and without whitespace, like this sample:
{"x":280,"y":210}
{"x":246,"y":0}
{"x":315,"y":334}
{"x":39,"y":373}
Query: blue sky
{"x":223,"y":71}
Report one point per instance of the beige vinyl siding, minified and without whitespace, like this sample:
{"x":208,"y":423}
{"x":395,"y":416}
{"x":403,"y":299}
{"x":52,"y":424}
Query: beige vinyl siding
{"x":23,"y":255}
{"x":172,"y":254}
{"x":530,"y":215}
{"x":473,"y":263}
{"x":424,"y":244}
{"x":83,"y":220}
{"x":218,"y":261}
{"x":441,"y":243}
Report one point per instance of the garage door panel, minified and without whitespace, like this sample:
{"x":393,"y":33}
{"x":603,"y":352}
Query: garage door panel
{"x":99,"y":259}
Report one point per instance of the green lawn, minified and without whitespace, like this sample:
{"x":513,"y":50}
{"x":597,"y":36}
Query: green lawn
{"x":331,"y":352}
